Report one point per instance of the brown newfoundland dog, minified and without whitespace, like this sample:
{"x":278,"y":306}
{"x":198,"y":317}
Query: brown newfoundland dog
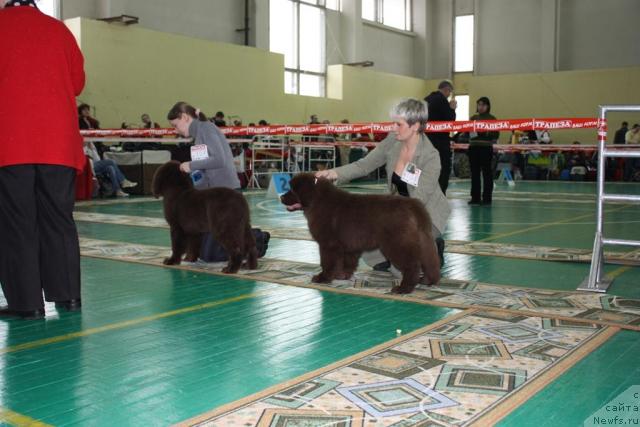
{"x":345,"y":225}
{"x":190,"y":213}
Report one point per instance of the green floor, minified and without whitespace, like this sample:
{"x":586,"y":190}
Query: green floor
{"x":155,"y":346}
{"x":150,"y":365}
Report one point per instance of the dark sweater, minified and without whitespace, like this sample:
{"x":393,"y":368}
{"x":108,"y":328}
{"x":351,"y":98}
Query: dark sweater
{"x":483,"y":139}
{"x":620,"y":135}
{"x":439,"y":110}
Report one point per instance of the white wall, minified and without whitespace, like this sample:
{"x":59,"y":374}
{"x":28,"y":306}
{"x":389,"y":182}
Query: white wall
{"x":212,"y":20}
{"x":392,"y":52}
{"x":508,"y":36}
{"x":335,"y":51}
{"x":529,"y":36}
{"x":599,"y":34}
{"x":513,"y":36}
{"x":78,"y":8}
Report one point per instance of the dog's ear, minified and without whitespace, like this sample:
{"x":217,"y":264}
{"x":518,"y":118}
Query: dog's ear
{"x":303,"y":186}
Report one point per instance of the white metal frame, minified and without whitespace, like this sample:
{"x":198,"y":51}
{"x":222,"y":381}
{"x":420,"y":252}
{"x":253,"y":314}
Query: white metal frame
{"x":266,"y":145}
{"x":596,"y":282}
{"x":309,"y":146}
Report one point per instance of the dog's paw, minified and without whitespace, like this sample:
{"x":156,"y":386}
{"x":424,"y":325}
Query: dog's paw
{"x":229,"y":270}
{"x":344,"y":276}
{"x":401,"y":290}
{"x":192,"y":258}
{"x":171,"y":261}
{"x":320,"y":278}
{"x":250,"y":265}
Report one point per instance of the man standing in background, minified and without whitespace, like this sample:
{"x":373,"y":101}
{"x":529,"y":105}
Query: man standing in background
{"x":41,"y":72}
{"x":621,"y":133}
{"x":441,"y":109}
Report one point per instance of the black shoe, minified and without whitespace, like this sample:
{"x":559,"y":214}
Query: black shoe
{"x":383,"y":266}
{"x":70,"y":305}
{"x":264,"y":244}
{"x":474,"y":202}
{"x":440,"y":246}
{"x":22,"y":314}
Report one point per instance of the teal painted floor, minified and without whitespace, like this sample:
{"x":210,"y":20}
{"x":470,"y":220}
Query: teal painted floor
{"x":148,"y":365}
{"x":155,"y":346}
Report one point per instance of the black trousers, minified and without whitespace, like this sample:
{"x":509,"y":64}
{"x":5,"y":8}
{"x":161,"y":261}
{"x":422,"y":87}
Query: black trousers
{"x":444,"y":149}
{"x":39,"y":248}
{"x":480,"y":163}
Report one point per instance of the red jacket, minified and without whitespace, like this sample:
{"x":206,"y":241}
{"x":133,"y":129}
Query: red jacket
{"x":41,"y":73}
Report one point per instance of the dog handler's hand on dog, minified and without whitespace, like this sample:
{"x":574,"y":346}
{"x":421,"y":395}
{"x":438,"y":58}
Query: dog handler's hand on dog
{"x":185,"y":167}
{"x":328,"y":174}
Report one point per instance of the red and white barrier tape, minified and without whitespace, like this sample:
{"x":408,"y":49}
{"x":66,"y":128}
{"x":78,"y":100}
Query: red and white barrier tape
{"x":386,"y":127}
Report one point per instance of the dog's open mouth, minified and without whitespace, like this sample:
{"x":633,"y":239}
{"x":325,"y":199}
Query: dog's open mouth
{"x":294,"y":207}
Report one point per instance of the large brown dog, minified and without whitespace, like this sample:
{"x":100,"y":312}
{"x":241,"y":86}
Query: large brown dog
{"x":345,"y":225}
{"x":190,"y":213}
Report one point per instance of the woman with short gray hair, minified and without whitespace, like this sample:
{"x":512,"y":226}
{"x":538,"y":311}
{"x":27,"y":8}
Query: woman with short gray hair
{"x":412,"y":164}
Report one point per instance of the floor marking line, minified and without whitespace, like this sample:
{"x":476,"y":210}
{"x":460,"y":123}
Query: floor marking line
{"x":617,"y":272}
{"x":16,"y":419}
{"x":126,"y":323}
{"x":386,"y":296}
{"x":548,"y":224}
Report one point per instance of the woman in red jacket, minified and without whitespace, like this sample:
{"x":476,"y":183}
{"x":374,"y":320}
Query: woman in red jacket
{"x":41,"y":71}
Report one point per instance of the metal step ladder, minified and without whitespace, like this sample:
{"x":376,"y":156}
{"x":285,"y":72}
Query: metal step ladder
{"x":595,"y":282}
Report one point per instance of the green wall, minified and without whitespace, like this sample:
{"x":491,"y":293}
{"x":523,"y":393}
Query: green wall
{"x":559,"y":94}
{"x":131,"y":70}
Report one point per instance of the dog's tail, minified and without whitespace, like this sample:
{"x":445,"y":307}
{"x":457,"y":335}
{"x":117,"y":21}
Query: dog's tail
{"x":429,"y":260}
{"x":250,"y":251}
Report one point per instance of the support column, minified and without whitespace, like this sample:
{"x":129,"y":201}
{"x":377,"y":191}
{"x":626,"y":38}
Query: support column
{"x":351,"y":29}
{"x":549,"y":26}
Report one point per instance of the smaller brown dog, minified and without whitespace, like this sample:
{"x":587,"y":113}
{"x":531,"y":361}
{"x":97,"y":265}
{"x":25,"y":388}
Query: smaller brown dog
{"x":190,"y":213}
{"x":345,"y":225}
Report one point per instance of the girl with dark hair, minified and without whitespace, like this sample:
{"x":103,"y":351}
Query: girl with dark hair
{"x":480,"y":154}
{"x":211,"y":162}
{"x":211,"y":165}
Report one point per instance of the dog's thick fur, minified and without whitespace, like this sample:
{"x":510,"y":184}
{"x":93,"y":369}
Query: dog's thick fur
{"x":345,"y":225}
{"x":190,"y":213}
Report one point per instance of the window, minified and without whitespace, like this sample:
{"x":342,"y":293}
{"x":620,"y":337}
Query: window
{"x":462,"y":109}
{"x":329,"y":4}
{"x":393,"y":13}
{"x":297,"y":30}
{"x":463,"y":44}
{"x":49,"y":7}
{"x":333,"y":5}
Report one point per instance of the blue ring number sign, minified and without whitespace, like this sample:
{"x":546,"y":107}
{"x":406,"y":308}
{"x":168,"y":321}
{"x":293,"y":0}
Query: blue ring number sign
{"x":281,"y":182}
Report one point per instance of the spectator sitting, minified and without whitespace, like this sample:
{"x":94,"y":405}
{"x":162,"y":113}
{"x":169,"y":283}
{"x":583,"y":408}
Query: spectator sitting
{"x":147,"y":123}
{"x":630,"y":164}
{"x":237,"y":122}
{"x":109,"y":168}
{"x":218,"y":119}
{"x":85,"y":121}
{"x":263,"y":122}
{"x":543,"y":137}
{"x":633,"y":136}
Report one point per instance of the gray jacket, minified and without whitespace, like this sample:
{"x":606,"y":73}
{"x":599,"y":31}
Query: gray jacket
{"x":426,"y":158}
{"x":218,"y":169}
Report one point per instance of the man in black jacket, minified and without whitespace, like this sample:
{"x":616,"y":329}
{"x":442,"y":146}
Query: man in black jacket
{"x":441,"y":109}
{"x":620,"y":134}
